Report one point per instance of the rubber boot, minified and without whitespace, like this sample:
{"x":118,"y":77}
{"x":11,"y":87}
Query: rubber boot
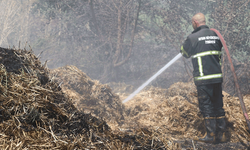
{"x":209,"y":137}
{"x":221,"y":130}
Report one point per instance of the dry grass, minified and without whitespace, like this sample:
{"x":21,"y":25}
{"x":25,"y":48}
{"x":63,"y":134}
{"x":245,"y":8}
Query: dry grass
{"x":167,"y":115}
{"x":89,"y":95}
{"x":35,"y":112}
{"x":175,"y":113}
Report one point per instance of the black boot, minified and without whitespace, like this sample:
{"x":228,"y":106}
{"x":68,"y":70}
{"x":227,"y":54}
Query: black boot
{"x":209,"y":136}
{"x":221,"y":130}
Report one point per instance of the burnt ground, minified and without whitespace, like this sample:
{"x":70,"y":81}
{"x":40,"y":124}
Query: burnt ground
{"x":174,"y":112}
{"x":39,"y":111}
{"x":189,"y":144}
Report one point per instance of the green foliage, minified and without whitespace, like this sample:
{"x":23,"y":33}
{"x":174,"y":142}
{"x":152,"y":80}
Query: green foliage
{"x":242,"y":56}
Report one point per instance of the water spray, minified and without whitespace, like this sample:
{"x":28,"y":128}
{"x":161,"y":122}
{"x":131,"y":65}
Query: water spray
{"x":179,"y":56}
{"x":152,"y":78}
{"x":235,"y":77}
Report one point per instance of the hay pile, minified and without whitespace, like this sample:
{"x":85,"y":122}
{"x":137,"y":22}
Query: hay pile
{"x":169,"y":116}
{"x":174,"y":113}
{"x":36,"y":114}
{"x":173,"y":110}
{"x":89,"y":95}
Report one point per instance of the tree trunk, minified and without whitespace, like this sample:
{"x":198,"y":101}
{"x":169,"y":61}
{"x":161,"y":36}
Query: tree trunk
{"x":132,"y":39}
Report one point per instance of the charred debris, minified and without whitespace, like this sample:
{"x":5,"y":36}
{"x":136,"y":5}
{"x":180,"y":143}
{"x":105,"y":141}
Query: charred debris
{"x":36,"y":114}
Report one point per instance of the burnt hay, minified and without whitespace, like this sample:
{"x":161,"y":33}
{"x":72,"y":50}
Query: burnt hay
{"x":173,"y":113}
{"x":36,"y":114}
{"x":37,"y":111}
{"x":89,"y":95}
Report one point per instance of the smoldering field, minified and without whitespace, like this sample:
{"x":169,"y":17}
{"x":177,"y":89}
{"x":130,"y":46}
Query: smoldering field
{"x":88,"y":56}
{"x":65,"y":109}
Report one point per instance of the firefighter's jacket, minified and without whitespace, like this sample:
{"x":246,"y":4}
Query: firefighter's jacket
{"x":204,"y":47}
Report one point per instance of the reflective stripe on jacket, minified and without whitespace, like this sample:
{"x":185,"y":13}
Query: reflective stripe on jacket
{"x":204,"y":47}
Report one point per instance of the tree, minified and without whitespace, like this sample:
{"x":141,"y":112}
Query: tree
{"x":119,"y":40}
{"x":14,"y":22}
{"x":231,"y":18}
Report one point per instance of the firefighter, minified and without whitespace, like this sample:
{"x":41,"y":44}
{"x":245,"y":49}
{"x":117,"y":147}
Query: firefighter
{"x":204,"y":47}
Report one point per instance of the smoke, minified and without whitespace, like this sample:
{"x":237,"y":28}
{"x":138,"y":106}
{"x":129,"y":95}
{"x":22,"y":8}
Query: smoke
{"x":96,"y":35}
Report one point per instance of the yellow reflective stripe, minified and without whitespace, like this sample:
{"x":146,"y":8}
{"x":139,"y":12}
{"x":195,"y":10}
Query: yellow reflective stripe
{"x":220,"y":117}
{"x":207,"y":53}
{"x":213,"y":76}
{"x":200,"y":66}
{"x":210,"y":118}
{"x":183,"y":51}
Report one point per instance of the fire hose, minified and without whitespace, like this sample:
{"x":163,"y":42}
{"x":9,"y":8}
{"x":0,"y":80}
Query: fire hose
{"x":178,"y":56}
{"x":235,"y":77}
